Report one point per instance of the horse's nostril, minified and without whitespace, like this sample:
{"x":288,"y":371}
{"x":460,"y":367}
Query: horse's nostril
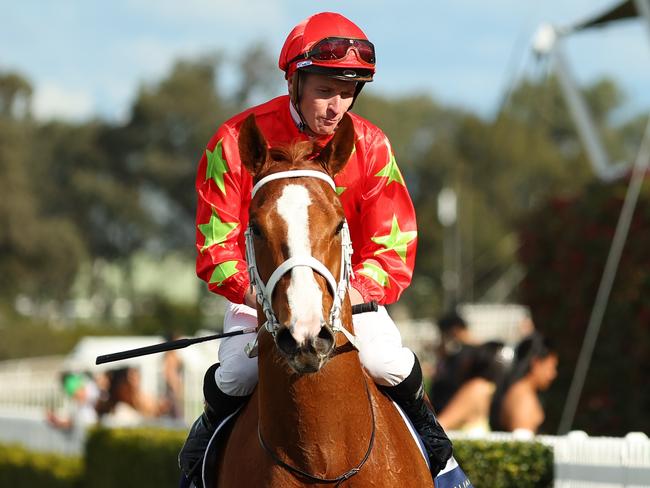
{"x":324,"y":341}
{"x":286,"y":343}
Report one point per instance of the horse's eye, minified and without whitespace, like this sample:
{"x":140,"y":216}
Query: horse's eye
{"x":339,"y":228}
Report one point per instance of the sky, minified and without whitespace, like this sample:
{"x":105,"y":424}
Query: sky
{"x":87,"y":59}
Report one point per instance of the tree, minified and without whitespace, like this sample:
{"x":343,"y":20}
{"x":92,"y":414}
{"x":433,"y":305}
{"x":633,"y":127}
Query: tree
{"x":15,"y":96}
{"x":39,"y":253}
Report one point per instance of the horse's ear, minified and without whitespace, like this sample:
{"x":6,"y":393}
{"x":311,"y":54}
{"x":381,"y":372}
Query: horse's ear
{"x":336,"y":153}
{"x":253,"y":150}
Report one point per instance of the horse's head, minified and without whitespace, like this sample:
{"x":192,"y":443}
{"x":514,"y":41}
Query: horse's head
{"x":298,"y":246}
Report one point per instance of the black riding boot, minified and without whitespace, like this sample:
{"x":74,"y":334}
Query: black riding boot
{"x":217,"y":407}
{"x":409,"y":395}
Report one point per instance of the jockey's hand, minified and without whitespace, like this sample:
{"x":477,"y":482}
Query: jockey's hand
{"x":250,"y":299}
{"x":355,"y":296}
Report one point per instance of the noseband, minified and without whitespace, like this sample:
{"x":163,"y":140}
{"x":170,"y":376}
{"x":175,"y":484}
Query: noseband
{"x":265,"y":291}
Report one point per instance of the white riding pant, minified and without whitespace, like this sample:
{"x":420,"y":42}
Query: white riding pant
{"x":380,"y":350}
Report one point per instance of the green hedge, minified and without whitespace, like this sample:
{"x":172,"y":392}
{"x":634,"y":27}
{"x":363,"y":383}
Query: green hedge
{"x":146,"y":458}
{"x":133,"y":458}
{"x":20,"y":468}
{"x":110,"y":457}
{"x":505,"y":464}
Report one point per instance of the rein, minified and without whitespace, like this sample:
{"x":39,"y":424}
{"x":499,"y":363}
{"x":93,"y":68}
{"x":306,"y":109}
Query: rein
{"x":264,"y":291}
{"x":339,"y":479}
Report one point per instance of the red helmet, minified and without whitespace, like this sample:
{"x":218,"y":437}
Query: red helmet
{"x":330,"y":44}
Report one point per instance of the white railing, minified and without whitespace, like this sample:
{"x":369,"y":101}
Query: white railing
{"x":31,"y":383}
{"x":34,"y":384}
{"x":605,"y":462}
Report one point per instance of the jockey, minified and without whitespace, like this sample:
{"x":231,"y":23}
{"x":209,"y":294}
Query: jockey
{"x":326,"y":60}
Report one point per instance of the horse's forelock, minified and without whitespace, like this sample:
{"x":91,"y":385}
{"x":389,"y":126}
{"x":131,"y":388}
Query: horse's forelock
{"x":293,"y":153}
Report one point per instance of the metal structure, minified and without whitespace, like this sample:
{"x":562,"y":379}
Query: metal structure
{"x":549,"y":42}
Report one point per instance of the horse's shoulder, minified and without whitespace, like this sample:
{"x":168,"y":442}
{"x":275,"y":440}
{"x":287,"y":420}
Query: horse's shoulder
{"x":385,"y":409}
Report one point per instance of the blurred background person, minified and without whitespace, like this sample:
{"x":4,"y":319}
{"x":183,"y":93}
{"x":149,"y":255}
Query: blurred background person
{"x":125,"y":403}
{"x":84,"y":393}
{"x":453,"y":359}
{"x":173,"y":377}
{"x":469,"y":408}
{"x":516,"y":406}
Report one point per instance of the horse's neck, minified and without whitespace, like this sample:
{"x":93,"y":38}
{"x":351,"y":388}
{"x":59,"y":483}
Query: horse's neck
{"x":310,"y":418}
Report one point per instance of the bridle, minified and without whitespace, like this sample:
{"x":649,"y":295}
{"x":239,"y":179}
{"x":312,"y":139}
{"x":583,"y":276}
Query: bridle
{"x":265,"y":291}
{"x":338,"y":289}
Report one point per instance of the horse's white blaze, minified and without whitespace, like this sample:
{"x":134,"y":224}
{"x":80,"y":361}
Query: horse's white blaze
{"x":304,"y":295}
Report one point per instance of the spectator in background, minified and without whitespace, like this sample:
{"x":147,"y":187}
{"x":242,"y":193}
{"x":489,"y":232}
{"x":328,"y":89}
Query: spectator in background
{"x":83,"y":392}
{"x":173,"y":375}
{"x":454,"y":357}
{"x":126,"y":403}
{"x":469,"y":408}
{"x":516,"y":406}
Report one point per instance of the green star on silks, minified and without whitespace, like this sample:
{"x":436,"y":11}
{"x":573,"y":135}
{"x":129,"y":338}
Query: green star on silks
{"x":217,"y":166}
{"x":392,"y":172}
{"x":215,"y":231}
{"x":340,"y":189}
{"x":376,"y":273}
{"x":396,"y":240}
{"x":223,"y":271}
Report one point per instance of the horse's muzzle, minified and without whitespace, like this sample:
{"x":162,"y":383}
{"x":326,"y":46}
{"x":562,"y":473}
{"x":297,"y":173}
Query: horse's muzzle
{"x":311,"y":355}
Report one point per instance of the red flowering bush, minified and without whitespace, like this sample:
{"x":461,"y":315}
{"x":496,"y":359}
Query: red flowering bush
{"x":564,"y":248}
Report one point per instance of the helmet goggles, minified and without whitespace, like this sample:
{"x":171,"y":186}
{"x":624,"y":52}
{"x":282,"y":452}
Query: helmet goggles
{"x":337,"y":48}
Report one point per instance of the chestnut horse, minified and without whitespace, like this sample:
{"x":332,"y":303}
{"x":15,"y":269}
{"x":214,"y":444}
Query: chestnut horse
{"x":315,"y":418}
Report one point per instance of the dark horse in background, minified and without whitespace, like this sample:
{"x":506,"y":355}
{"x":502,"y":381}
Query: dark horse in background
{"x":316,"y":418}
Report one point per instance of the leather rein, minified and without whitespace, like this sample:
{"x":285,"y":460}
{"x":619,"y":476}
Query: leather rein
{"x":339,"y":479}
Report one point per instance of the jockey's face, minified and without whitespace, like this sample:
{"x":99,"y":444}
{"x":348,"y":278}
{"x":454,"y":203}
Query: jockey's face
{"x":324,"y":101}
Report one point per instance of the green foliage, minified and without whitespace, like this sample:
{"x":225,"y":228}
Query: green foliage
{"x":15,"y":94}
{"x":20,"y":468}
{"x":112,"y":454}
{"x":565,"y":244}
{"x":39,"y":253}
{"x":86,"y":183}
{"x":24,"y":338}
{"x":505,"y":464}
{"x":161,"y":317}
